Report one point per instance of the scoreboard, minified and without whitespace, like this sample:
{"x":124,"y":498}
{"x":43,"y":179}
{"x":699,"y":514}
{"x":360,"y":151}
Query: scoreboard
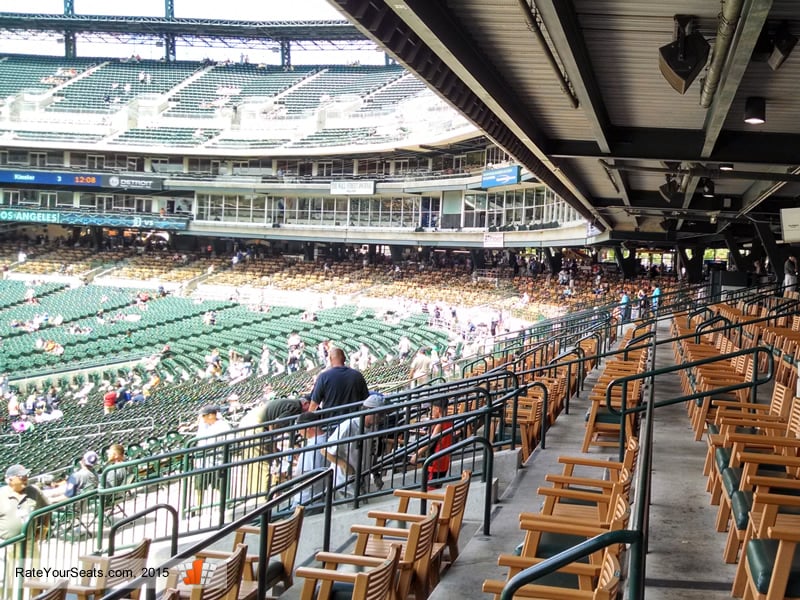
{"x":82,"y":180}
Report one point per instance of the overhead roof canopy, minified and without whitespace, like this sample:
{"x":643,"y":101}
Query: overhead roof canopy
{"x":573,"y":90}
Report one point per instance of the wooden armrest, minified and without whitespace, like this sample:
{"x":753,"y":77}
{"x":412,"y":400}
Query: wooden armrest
{"x":101,"y":561}
{"x":776,"y":499}
{"x":593,"y":497}
{"x":767,"y":459}
{"x":765,"y":480}
{"x":580,"y":481}
{"x":395,"y":516}
{"x":566,"y":528}
{"x":250,"y":529}
{"x":523,"y":562}
{"x":325,"y":574}
{"x":348,"y":559}
{"x":222,"y":554}
{"x":419,"y":495}
{"x":590,"y":462}
{"x":758,"y":439}
{"x":740,"y":405}
{"x":375,"y":530}
{"x":783,"y":532}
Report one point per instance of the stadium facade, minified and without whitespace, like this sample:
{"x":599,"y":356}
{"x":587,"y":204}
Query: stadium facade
{"x":327,"y":154}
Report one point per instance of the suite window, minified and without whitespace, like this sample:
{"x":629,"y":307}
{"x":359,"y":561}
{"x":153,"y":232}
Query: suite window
{"x":95,"y":161}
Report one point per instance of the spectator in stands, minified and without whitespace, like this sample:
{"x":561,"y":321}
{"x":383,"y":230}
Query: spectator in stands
{"x":790,"y":274}
{"x":346,"y":455}
{"x":123,"y":395}
{"x":655,"y":296}
{"x":18,"y":499}
{"x":362,"y":358}
{"x":625,"y":306}
{"x":323,"y":351}
{"x":84,"y":478}
{"x":338,"y":385}
{"x":211,"y":429}
{"x":265,"y":362}
{"x":420,"y":367}
{"x":14,"y":409}
{"x":441,"y":437}
{"x":115,"y":477}
{"x":403,"y":348}
{"x":312,"y":458}
{"x":110,"y":401}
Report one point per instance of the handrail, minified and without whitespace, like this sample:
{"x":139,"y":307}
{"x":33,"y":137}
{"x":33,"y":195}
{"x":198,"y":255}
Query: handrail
{"x":488,"y":474}
{"x":308,"y":479}
{"x":705,"y":324}
{"x":565,"y":557}
{"x":262,"y":512}
{"x":545,"y":394}
{"x":640,"y":338}
{"x":624,"y":410}
{"x":119,"y":524}
{"x":697,"y":311}
{"x":581,"y":370}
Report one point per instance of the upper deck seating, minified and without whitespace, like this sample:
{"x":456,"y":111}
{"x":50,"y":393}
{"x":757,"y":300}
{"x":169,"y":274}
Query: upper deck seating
{"x":230,"y":84}
{"x":394,"y":93}
{"x":339,"y":81}
{"x":166,"y":136}
{"x":112,"y":85}
{"x":38,"y":73}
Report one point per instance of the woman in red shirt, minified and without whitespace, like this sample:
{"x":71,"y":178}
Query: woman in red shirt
{"x":440,"y":467}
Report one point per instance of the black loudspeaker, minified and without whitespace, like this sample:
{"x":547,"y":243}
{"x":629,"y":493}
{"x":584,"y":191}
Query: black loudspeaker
{"x":682,"y":60}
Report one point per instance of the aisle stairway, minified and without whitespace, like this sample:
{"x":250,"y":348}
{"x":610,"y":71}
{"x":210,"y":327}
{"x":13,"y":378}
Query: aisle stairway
{"x":685,"y":559}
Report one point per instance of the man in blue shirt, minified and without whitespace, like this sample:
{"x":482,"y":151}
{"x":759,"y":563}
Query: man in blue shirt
{"x":338,"y":385}
{"x":625,"y":306}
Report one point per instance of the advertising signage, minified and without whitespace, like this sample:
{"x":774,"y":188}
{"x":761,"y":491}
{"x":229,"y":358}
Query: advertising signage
{"x":92,"y":180}
{"x":352,"y":188}
{"x":498,"y":177}
{"x":64,"y":217}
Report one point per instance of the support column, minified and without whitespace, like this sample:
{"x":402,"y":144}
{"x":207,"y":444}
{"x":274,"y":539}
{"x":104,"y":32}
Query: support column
{"x":70,"y":45}
{"x":397,"y":253}
{"x":694,"y":266}
{"x":628,"y":266}
{"x":733,"y":252}
{"x":286,"y":54}
{"x":774,"y":254}
{"x":478,"y":258}
{"x":554,"y":260}
{"x":170,"y":52}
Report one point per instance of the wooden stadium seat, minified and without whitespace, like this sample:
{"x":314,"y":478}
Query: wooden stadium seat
{"x":111,"y":568}
{"x":376,"y":583}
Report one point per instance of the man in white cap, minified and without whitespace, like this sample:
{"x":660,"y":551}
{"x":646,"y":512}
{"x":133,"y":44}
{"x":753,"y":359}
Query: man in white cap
{"x":18,"y":499}
{"x":211,"y":429}
{"x":346,"y":454}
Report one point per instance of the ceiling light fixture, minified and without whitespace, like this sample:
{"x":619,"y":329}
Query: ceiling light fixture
{"x":726,"y":167}
{"x":755,"y":110}
{"x":707,"y":185}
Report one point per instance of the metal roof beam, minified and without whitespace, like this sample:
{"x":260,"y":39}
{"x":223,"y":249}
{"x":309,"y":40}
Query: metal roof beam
{"x":751,"y":22}
{"x":561,"y":22}
{"x":449,"y":60}
{"x":682,"y":145}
